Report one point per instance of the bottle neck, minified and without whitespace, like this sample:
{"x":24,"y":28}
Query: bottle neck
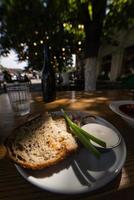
{"x":47,"y":61}
{"x":46,"y":53}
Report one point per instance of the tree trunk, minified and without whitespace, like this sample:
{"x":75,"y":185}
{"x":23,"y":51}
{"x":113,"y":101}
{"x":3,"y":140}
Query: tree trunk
{"x":93,"y":29}
{"x":90,"y":74}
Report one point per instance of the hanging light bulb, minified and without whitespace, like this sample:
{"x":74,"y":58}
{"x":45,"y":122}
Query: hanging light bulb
{"x":82,"y":26}
{"x":64,"y":25}
{"x":41,"y":41}
{"x":36,"y":32}
{"x":21,"y":44}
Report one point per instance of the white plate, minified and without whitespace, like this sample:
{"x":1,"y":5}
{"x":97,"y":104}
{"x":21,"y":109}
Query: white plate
{"x":115,"y":108}
{"x":81,"y":172}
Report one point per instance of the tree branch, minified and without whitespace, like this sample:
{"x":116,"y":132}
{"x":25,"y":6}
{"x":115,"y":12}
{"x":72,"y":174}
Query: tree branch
{"x":99,"y":9}
{"x":84,"y":13}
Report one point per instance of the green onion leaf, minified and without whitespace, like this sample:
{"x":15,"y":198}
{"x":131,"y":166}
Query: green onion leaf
{"x":83,"y":136}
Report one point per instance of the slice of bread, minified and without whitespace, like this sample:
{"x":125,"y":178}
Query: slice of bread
{"x":61,"y":123}
{"x":40,"y":143}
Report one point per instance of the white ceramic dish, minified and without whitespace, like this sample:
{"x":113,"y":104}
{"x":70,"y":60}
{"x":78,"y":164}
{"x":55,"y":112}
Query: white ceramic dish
{"x":81,"y":172}
{"x":115,"y":108}
{"x":108,"y":135}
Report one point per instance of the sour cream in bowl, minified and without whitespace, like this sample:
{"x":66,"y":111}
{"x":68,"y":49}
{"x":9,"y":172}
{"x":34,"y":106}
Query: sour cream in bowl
{"x":104,"y":133}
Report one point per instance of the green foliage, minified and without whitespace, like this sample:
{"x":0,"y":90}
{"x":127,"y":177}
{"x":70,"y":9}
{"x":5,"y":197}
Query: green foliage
{"x":120,"y":16}
{"x":90,"y":11}
{"x":26,"y":26}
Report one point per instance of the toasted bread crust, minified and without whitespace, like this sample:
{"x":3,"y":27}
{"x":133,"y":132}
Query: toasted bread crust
{"x":27,"y":165}
{"x":59,"y":143}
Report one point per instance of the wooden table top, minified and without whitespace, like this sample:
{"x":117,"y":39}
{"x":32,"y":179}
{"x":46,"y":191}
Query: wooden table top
{"x":13,"y":186}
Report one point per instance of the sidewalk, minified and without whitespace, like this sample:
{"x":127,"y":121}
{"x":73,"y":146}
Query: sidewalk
{"x":101,"y":85}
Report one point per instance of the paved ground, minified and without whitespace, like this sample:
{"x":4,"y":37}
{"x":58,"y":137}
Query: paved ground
{"x":36,"y":86}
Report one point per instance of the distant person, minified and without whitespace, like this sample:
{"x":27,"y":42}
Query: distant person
{"x":104,"y":76}
{"x":7,"y":79}
{"x":128,"y":81}
{"x":1,"y":79}
{"x":60,"y":79}
{"x":26,"y":79}
{"x":19,"y":77}
{"x":34,"y":75}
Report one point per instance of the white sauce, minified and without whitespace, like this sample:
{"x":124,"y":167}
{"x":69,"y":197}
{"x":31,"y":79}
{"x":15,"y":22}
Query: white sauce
{"x":104,"y":133}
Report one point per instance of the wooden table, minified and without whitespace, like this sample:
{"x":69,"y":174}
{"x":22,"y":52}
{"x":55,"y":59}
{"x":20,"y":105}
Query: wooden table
{"x":13,"y":186}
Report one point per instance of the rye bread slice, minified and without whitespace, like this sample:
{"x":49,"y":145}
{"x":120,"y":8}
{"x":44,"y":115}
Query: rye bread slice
{"x":40,"y":143}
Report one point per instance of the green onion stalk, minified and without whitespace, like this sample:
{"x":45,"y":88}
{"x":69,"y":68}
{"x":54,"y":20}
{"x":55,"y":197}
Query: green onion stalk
{"x":84,"y":137}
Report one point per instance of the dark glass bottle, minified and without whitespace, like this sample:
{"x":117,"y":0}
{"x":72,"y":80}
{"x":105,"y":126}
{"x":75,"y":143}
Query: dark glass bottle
{"x":48,"y":78}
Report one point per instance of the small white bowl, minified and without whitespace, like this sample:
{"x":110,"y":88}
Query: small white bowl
{"x":108,"y":135}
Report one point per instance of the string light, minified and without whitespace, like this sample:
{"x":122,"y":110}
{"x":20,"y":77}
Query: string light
{"x":21,"y":44}
{"x":81,"y":26}
{"x":79,"y":43}
{"x":70,"y":25}
{"x":64,"y":25}
{"x":47,"y":37}
{"x":67,"y":25}
{"x":54,"y":57}
{"x":27,"y":57}
{"x":45,"y":4}
{"x":36,"y":53}
{"x":35,"y":44}
{"x":36,"y":32}
{"x":79,"y":49}
{"x":41,"y":41}
{"x":64,"y":58}
{"x":63,"y":49}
